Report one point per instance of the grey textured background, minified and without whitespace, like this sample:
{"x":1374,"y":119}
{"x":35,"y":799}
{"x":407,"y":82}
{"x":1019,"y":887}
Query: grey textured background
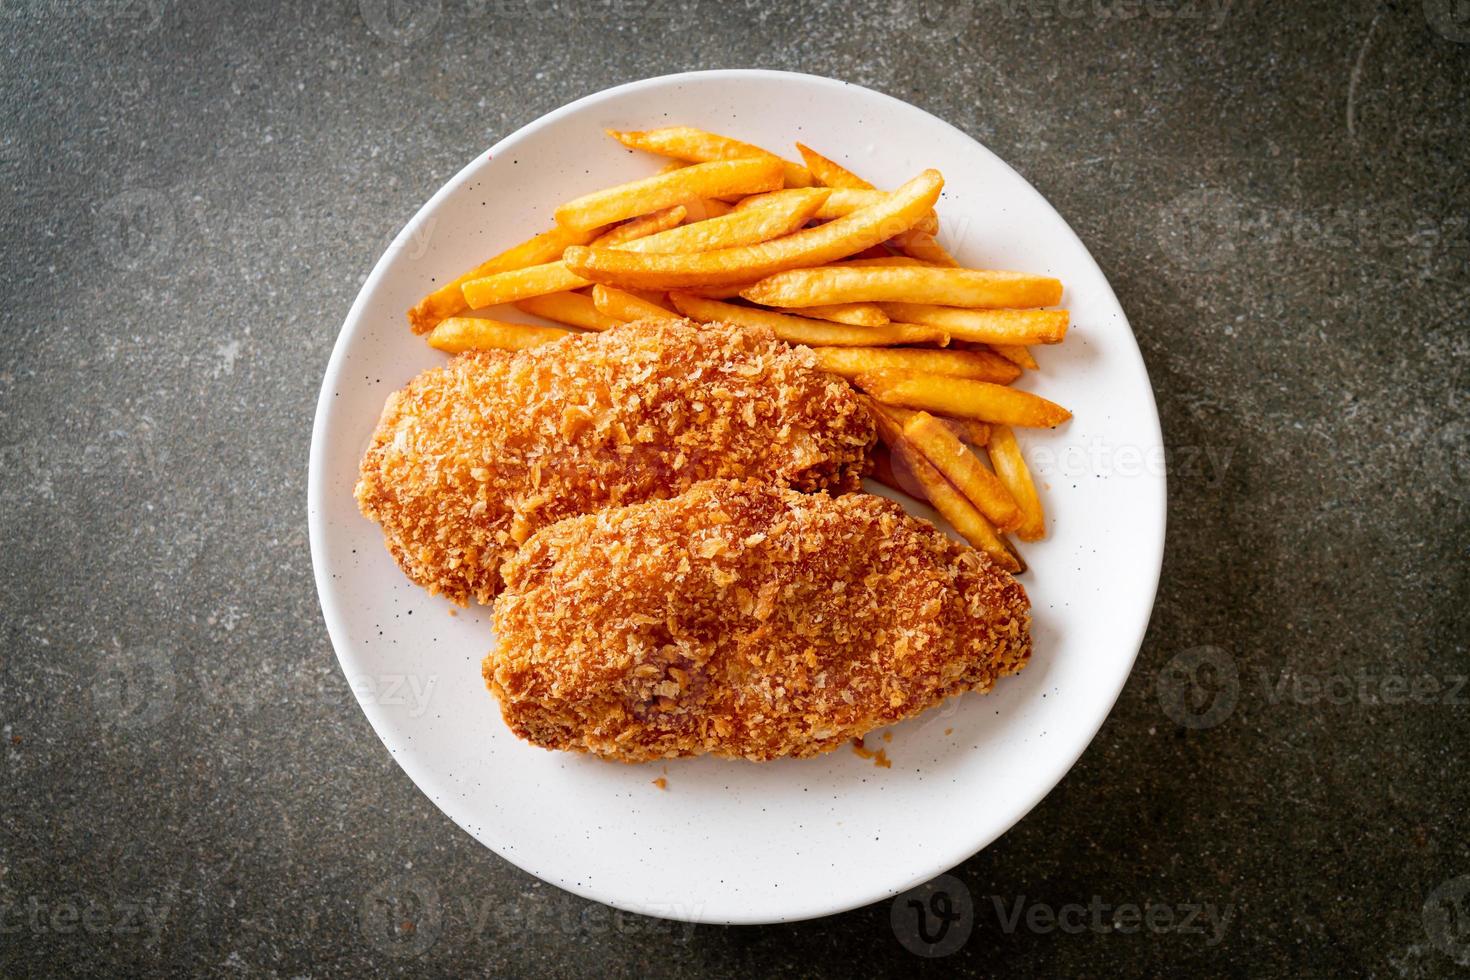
{"x":193,"y":194}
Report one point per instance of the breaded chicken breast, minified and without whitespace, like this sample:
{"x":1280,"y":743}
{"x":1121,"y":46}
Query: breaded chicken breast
{"x":744,"y":620}
{"x":470,"y":459}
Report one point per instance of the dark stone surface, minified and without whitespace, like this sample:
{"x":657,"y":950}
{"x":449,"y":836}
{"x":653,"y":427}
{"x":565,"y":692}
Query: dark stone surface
{"x":192,"y":196}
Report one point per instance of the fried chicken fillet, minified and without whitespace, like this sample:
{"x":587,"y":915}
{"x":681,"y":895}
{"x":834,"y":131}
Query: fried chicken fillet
{"x":744,"y":620}
{"x":470,"y":459}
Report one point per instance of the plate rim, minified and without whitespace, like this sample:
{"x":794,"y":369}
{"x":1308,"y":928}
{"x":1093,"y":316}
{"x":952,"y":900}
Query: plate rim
{"x":333,"y":617}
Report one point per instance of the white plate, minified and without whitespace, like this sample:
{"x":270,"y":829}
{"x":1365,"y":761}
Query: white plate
{"x":731,"y":841}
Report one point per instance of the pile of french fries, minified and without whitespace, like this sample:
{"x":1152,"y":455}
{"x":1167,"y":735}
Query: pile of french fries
{"x":727,"y":232}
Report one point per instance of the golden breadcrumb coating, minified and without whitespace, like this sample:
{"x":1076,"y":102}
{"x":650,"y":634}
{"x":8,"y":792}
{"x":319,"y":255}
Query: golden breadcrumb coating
{"x":471,"y":458}
{"x":744,"y":620}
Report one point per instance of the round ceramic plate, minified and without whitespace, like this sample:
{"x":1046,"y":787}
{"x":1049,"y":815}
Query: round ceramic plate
{"x":737,"y":842}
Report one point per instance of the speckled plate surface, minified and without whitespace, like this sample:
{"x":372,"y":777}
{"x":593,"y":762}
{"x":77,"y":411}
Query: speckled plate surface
{"x":732,"y":841}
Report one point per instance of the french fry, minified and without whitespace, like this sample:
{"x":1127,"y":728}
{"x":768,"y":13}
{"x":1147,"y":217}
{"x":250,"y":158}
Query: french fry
{"x":462,"y":333}
{"x":642,"y":226}
{"x":986,"y":326}
{"x":519,"y":284}
{"x":799,"y":330}
{"x":574,"y":309}
{"x":963,"y":398}
{"x":783,"y":213}
{"x":655,"y":296}
{"x":1010,"y":467}
{"x":912,"y":284}
{"x":706,"y":208}
{"x":1016,"y":355}
{"x":626,"y":307}
{"x":769,"y":198}
{"x":922,"y":245}
{"x":665,"y":190}
{"x":963,"y":469}
{"x":829,"y":172}
{"x":780,"y":216}
{"x":941,"y":494}
{"x":448,"y":300}
{"x":698,"y":146}
{"x":858,"y":314}
{"x":842,"y":202}
{"x":918,"y":241}
{"x":961,"y":364}
{"x":966,"y":430}
{"x":810,"y":246}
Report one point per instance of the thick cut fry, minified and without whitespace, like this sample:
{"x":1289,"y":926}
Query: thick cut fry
{"x":951,"y":504}
{"x":574,"y":309}
{"x":811,"y":246}
{"x":799,"y":330}
{"x":963,"y":397}
{"x":519,"y":284}
{"x":979,"y":365}
{"x":461,"y":333}
{"x":966,"y":430}
{"x":911,"y":284}
{"x":783,"y":213}
{"x":1016,"y":355}
{"x":964,"y":469}
{"x":642,"y":227}
{"x":858,"y":314}
{"x":448,"y":300}
{"x":627,"y":307}
{"x":829,"y":172}
{"x":698,"y":146}
{"x":665,"y":190}
{"x":840,"y":203}
{"x":1010,"y":466}
{"x":986,"y":326}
